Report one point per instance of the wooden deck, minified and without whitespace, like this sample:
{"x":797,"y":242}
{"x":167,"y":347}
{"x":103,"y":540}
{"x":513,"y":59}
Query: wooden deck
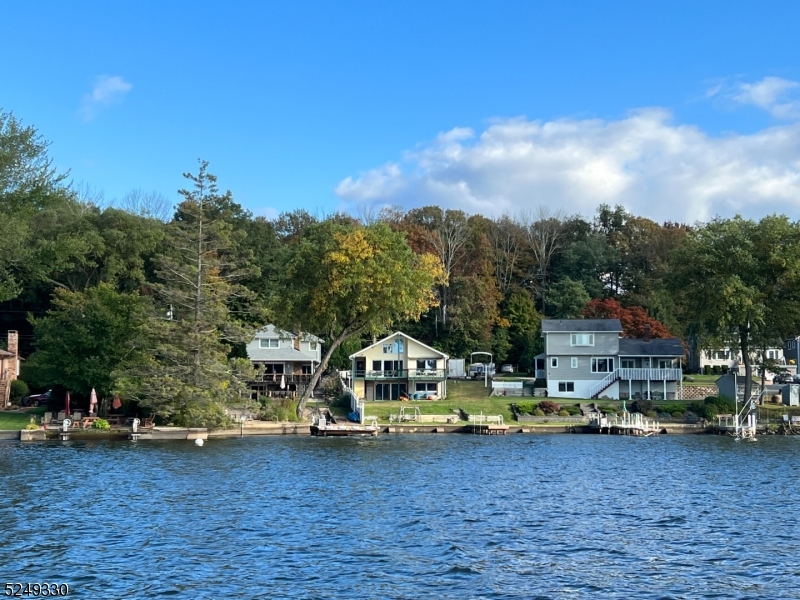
{"x":344,"y":430}
{"x":489,"y":429}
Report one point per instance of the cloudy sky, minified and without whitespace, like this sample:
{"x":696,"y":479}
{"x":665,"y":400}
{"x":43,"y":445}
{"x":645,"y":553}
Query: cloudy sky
{"x":678,"y":112}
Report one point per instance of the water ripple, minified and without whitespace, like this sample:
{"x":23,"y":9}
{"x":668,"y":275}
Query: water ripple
{"x":405,"y":517}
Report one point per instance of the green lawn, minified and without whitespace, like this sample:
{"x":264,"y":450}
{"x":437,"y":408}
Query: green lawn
{"x":10,"y":420}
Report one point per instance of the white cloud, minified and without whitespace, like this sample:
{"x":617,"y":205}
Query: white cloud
{"x":645,"y":162}
{"x":772,"y":94}
{"x":106,"y":91}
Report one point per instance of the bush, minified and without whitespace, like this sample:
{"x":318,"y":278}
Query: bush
{"x":526,"y":408}
{"x":607,"y":409}
{"x":715,"y":369}
{"x":563,"y":413}
{"x":285,"y":409}
{"x":707,"y":370}
{"x":572,"y":410}
{"x":641,"y":406}
{"x":538,"y":412}
{"x":548,"y":407}
{"x":651,"y":414}
{"x":101,"y":424}
{"x":724,"y":369}
{"x":18,"y":389}
{"x":32,"y":424}
{"x":676,"y":415}
{"x":675,"y":407}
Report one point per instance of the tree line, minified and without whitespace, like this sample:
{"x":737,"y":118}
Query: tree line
{"x":156,"y":304}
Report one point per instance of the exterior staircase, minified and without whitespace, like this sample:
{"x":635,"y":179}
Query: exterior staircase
{"x":602,"y":385}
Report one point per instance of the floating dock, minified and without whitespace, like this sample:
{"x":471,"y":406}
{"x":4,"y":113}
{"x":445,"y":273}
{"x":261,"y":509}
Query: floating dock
{"x":627,"y":424}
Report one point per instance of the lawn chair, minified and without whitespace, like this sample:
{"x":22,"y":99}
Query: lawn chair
{"x":148,"y":422}
{"x":59,"y":418}
{"x":76,"y":418}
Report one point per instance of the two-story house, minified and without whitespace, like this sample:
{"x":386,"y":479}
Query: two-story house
{"x":589,"y":358}
{"x":284,"y":361}
{"x":398,"y":366}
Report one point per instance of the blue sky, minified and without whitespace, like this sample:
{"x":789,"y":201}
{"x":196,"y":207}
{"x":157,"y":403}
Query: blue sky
{"x":677,"y":110}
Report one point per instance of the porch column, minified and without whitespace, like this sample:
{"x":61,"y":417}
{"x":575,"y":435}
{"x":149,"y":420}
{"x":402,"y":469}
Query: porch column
{"x":665,"y":389}
{"x":648,"y":387}
{"x":681,"y":386}
{"x":630,"y":389}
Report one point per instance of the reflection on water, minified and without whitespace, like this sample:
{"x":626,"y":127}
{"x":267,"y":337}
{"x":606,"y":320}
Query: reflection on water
{"x":453,"y":516}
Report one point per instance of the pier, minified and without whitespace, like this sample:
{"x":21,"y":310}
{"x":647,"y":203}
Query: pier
{"x":627,"y":424}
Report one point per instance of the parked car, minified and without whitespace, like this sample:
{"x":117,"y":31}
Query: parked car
{"x":38,"y":399}
{"x":782,"y":378}
{"x":507,"y":368}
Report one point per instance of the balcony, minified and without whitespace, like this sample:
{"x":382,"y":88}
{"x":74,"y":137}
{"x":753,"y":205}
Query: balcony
{"x":651,"y":374}
{"x":427,"y":374}
{"x":287,"y":378}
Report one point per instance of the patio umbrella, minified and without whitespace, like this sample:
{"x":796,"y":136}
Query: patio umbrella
{"x":117,"y":404}
{"x":92,"y":401}
{"x":283,"y":382}
{"x":66,"y":405}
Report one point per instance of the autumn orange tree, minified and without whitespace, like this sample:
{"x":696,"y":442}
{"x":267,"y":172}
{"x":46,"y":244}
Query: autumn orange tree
{"x":344,"y":280}
{"x":633,"y":318}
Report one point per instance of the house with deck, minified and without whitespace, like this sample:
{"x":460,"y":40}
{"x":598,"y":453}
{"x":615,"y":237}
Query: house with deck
{"x":284,"y":361}
{"x":589,"y":358}
{"x":398,"y":366}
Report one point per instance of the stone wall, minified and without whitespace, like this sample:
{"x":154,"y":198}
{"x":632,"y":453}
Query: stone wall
{"x":698,"y":392}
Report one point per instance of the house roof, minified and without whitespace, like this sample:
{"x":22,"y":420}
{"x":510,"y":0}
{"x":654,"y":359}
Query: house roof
{"x":655,"y":347}
{"x":6,"y":353}
{"x":581,"y":325}
{"x":278,"y":354}
{"x":270,"y":331}
{"x":405,"y":335}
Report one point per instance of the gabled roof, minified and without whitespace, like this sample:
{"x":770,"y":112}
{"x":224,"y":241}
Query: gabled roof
{"x":270,"y":331}
{"x":655,"y":347}
{"x":581,"y":325}
{"x":405,"y":335}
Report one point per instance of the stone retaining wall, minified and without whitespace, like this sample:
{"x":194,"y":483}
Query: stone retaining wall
{"x":699,"y":392}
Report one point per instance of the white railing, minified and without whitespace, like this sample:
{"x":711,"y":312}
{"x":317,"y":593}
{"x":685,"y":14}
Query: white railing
{"x":651,"y":374}
{"x":356,"y":404}
{"x":506,"y":385}
{"x":603,"y":384}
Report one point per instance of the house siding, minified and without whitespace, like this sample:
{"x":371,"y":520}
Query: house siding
{"x":605,"y":344}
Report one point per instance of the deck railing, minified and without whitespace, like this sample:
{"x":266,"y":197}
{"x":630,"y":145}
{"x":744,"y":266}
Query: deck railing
{"x":402,"y":374}
{"x":651,"y":374}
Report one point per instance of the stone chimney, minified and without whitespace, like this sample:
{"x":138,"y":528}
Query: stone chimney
{"x":13,"y":343}
{"x":647,"y":333}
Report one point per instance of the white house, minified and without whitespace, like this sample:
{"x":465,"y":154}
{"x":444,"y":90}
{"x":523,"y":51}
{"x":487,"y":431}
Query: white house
{"x":398,"y":366}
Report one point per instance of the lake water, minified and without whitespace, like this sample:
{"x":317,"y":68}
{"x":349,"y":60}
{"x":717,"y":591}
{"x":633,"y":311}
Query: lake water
{"x":414,"y":516}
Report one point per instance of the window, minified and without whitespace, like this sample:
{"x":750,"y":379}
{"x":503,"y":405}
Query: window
{"x":602,"y":365}
{"x":566,"y":386}
{"x":389,"y":391}
{"x":396,"y":347}
{"x":554,"y":362}
{"x":376,"y":365}
{"x":666,"y":363}
{"x":305,"y":369}
{"x":427,"y":363}
{"x":772,"y":354}
{"x":268,"y":343}
{"x":426,"y":387}
{"x":573,"y":362}
{"x":312,"y":345}
{"x":581,"y":339}
{"x":628,"y":363}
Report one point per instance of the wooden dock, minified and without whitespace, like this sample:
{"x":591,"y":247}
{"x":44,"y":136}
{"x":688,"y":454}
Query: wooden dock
{"x":627,"y":424}
{"x":488,"y":424}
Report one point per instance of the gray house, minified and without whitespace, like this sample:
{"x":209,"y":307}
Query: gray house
{"x":284,"y":361}
{"x":588,"y":358}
